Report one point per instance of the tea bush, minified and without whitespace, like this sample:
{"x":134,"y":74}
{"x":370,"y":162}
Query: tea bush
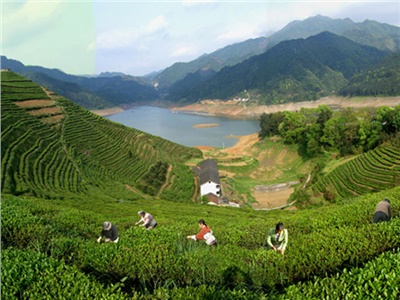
{"x":163,"y":264}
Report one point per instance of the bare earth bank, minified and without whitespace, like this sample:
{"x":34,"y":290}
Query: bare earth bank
{"x":240,"y":109}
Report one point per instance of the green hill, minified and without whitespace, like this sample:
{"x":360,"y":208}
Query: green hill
{"x":370,"y":33}
{"x":292,"y":71}
{"x":53,"y":148}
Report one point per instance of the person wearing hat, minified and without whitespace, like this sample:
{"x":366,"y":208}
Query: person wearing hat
{"x":277,"y":238}
{"x":110,"y":233}
{"x":147,"y":219}
{"x":383,"y":211}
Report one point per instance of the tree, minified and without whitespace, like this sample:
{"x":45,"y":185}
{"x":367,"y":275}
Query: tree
{"x":269,"y":124}
{"x":293,"y":127}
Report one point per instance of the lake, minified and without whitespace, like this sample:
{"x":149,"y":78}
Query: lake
{"x":180,"y":127}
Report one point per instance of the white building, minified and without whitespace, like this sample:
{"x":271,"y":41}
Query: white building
{"x":210,"y":184}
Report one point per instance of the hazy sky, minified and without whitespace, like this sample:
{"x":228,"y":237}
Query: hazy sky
{"x":138,"y":37}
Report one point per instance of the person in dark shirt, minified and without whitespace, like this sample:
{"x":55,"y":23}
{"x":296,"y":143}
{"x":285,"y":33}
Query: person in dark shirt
{"x":110,"y":232}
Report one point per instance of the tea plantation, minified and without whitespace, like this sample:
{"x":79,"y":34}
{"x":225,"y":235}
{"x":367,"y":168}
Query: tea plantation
{"x":49,"y":250}
{"x":65,"y":171}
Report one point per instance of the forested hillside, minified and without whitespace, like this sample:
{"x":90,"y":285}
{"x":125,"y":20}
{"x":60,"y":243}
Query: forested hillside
{"x":292,"y":71}
{"x":370,"y":33}
{"x":381,"y":80}
{"x":245,"y":70}
{"x":52,"y":148}
{"x":357,"y":151}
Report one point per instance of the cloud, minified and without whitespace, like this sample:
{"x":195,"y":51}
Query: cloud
{"x":192,"y":3}
{"x":240,"y":33}
{"x":183,"y":51}
{"x":129,"y":37}
{"x":157,"y":24}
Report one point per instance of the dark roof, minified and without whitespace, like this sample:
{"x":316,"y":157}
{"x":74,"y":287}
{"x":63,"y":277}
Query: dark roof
{"x":208,"y":163}
{"x":209,"y":171}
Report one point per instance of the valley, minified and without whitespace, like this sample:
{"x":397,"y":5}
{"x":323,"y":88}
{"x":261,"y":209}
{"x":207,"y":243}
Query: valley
{"x":237,"y":160}
{"x":290,"y":117}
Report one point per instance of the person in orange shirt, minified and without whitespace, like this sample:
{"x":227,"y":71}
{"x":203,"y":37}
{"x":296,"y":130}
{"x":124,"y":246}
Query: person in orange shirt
{"x":205,"y":234}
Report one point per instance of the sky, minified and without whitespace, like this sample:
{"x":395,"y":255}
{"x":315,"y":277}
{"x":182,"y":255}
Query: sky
{"x":140,"y":37}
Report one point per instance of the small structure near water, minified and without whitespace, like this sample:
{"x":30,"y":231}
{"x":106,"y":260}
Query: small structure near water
{"x":210,"y":184}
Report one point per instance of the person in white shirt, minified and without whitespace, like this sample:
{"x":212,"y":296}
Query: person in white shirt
{"x":147,"y":219}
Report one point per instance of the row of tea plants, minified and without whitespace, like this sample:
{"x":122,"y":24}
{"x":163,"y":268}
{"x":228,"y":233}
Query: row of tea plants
{"x":52,"y":246}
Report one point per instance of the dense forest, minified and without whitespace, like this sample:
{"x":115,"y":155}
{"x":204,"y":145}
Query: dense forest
{"x":349,"y":131}
{"x":382,"y":80}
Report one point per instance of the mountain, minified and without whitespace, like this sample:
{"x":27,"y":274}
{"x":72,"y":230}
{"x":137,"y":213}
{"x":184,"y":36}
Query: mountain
{"x":371,"y":33}
{"x":375,"y":34}
{"x":106,"y":90}
{"x":175,"y":84}
{"x":55,"y":149}
{"x":227,"y":56}
{"x":381,"y":80}
{"x":72,"y":91}
{"x":295,"y":70}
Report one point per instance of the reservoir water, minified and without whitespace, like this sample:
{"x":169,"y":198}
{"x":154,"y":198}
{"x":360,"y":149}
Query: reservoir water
{"x":180,"y":127}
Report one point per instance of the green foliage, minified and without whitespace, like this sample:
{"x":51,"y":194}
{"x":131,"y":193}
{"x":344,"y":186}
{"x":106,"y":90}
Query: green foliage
{"x":369,"y":172}
{"x":154,"y":178}
{"x":382,"y":80}
{"x":378,"y":279}
{"x":47,"y":242}
{"x":32,"y":275}
{"x":269,"y":124}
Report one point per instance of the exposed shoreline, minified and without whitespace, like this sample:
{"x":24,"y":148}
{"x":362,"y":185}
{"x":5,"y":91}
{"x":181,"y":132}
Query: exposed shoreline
{"x":237,"y":109}
{"x":244,"y":110}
